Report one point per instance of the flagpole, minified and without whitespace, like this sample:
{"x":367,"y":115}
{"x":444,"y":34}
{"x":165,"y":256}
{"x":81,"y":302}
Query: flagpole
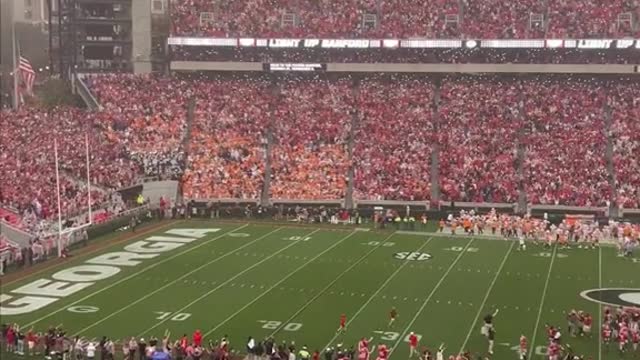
{"x":88,"y":178}
{"x":15,"y":65}
{"x":55,"y":149}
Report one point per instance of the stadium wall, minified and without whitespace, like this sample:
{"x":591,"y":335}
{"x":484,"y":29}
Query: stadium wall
{"x":420,"y":68}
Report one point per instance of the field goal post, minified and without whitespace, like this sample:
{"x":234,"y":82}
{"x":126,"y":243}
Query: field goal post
{"x":70,"y":236}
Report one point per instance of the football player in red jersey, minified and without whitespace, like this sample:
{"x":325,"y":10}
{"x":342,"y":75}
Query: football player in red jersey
{"x":343,"y":323}
{"x":606,"y":335}
{"x":622,"y":340}
{"x":413,"y":344}
{"x":383,"y":352}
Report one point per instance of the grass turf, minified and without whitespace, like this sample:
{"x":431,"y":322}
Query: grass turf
{"x":294,"y":282}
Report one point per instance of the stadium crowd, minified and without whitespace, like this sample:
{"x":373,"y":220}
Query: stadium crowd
{"x":480,"y":126}
{"x":404,"y":19}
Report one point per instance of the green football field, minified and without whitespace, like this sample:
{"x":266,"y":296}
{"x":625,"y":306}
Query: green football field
{"x":293,"y":282}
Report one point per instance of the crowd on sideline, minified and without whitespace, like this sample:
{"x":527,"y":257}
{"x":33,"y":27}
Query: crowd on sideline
{"x":487,"y":19}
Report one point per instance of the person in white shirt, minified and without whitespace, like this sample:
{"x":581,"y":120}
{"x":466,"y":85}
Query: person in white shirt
{"x":91,"y":351}
{"x":440,"y":353}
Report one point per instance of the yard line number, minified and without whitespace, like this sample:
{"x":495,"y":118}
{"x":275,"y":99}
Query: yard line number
{"x":548,"y":254}
{"x":297,"y":238}
{"x":393,"y":336}
{"x":460,"y":248}
{"x":378,"y":243}
{"x":164,"y":315}
{"x":274,"y":324}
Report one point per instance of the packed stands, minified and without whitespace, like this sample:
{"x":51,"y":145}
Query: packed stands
{"x":311,"y":124}
{"x":27,"y":169}
{"x":478,"y":124}
{"x":308,"y":123}
{"x":495,"y":19}
{"x":226,"y":158}
{"x":590,"y":18}
{"x":403,"y":19}
{"x":393,"y":140}
{"x":150,"y":125}
{"x":624,"y":102}
{"x":562,"y":115}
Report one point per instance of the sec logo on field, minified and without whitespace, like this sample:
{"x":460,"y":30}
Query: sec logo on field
{"x":412,"y":256}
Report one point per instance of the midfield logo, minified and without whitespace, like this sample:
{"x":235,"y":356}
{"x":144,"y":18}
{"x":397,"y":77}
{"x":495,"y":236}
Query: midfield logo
{"x":613,"y":296}
{"x":412,"y":256}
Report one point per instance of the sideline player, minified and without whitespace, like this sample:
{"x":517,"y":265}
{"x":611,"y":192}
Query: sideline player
{"x":523,"y":347}
{"x":383,"y":352}
{"x":488,"y":323}
{"x":393,"y":314}
{"x":343,"y":323}
{"x":413,"y":345}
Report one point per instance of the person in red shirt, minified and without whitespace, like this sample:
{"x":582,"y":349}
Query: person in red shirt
{"x":31,"y":341}
{"x":383,"y":352}
{"x":586,"y":325}
{"x":184,"y":342}
{"x":315,"y":355}
{"x":606,"y":335}
{"x":343,"y":323}
{"x":197,"y":338}
{"x":413,"y":344}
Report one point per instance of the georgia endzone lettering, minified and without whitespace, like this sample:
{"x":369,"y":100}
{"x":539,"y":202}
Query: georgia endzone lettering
{"x":42,"y":292}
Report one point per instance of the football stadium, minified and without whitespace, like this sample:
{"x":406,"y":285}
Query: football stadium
{"x":320,"y":179}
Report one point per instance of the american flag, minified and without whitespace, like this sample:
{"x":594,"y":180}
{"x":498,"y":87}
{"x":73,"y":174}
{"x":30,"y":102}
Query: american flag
{"x":27,"y":73}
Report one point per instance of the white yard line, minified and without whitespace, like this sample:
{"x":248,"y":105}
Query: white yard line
{"x":544,"y":295}
{"x":137,"y":273}
{"x":599,"y":329}
{"x":277,"y":284}
{"x":376,"y":293}
{"x":426,"y":301}
{"x":486,"y":297}
{"x":227,"y":282}
{"x":176,"y":280}
{"x":317,"y":295}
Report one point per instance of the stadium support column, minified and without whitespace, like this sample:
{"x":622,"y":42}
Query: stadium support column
{"x":520,"y":157}
{"x":265,"y":199}
{"x":267,"y":142}
{"x":355,"y":117}
{"x":141,"y":36}
{"x":613,"y":207}
{"x":435,"y":152}
{"x":521,"y":154}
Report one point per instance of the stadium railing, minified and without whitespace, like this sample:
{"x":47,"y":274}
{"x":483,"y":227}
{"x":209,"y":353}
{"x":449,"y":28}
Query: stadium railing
{"x":84,"y":92}
{"x":419,"y":68}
